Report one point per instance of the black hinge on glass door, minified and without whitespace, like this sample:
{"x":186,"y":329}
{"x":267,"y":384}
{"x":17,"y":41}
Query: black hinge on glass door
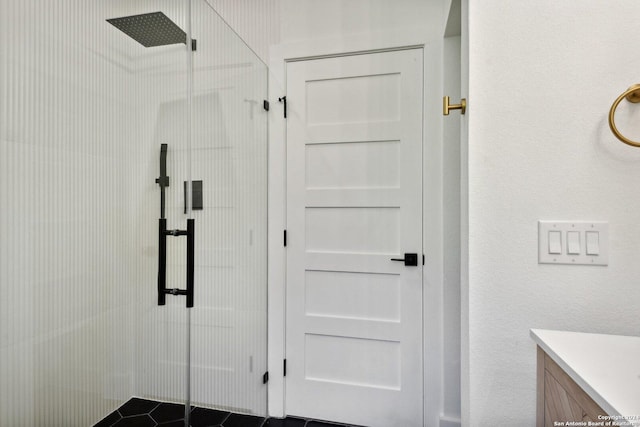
{"x":284,"y":101}
{"x":163,"y":233}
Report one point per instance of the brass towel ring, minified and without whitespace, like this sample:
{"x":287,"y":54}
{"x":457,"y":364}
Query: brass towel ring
{"x":632,"y":95}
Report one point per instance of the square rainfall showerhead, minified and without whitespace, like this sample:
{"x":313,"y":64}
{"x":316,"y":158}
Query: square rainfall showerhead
{"x":150,"y":29}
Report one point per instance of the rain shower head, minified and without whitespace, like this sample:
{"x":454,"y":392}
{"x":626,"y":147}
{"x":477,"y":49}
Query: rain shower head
{"x":150,"y":29}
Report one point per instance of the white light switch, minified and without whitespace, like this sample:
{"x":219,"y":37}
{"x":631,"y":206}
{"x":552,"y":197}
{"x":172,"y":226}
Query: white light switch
{"x":593,"y":242}
{"x":573,"y":242}
{"x":555,"y":242}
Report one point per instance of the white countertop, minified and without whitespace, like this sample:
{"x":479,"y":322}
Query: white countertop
{"x":607,"y":367}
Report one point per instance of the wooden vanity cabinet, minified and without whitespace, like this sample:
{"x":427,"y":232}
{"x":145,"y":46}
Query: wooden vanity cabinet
{"x":559,"y":397}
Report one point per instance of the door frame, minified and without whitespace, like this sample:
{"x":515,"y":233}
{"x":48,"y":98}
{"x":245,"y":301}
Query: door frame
{"x":432,"y":279}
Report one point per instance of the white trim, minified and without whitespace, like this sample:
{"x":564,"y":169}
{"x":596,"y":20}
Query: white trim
{"x":276,"y":270}
{"x":432,"y":228}
{"x":450,"y":422}
{"x":432,"y":188}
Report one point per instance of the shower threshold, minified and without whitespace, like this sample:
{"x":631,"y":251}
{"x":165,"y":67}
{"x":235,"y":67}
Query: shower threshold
{"x":150,"y":413}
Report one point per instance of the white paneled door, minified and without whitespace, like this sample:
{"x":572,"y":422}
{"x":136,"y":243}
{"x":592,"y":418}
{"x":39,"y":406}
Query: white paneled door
{"x":354,"y":204}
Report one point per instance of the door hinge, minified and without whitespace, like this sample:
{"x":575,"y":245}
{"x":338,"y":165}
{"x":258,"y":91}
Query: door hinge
{"x":422,"y":259}
{"x":284,"y":101}
{"x":285,"y":367}
{"x":285,"y":238}
{"x":194,"y":45}
{"x":265,"y":105}
{"x":265,"y":378}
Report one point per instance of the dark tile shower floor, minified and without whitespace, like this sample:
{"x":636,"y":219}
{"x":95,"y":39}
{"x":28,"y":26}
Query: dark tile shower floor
{"x":149,"y":413}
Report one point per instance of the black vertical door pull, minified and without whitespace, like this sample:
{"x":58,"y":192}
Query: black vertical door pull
{"x":162,"y":261}
{"x":190,"y":261}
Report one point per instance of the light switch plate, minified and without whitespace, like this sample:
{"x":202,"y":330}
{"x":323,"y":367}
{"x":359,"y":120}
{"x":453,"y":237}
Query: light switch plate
{"x":581,"y":257}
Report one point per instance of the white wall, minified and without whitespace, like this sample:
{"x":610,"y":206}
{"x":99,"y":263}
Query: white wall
{"x":464,"y":216}
{"x":257,"y":22}
{"x":67,"y":269}
{"x":309,"y":19}
{"x":263,"y":23}
{"x":543,"y":76}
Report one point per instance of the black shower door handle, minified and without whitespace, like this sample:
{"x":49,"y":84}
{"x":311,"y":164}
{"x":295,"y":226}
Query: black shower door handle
{"x":191,"y":224}
{"x":410,"y":260}
{"x":162,"y":261}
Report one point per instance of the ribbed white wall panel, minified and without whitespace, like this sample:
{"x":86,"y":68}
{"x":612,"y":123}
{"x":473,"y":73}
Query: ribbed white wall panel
{"x":67,"y":254}
{"x":83,"y":111}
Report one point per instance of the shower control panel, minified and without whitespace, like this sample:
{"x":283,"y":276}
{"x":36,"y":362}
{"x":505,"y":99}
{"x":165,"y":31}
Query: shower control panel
{"x":573,"y":242}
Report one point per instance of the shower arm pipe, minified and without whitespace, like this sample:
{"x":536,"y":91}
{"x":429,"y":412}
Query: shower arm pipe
{"x":632,"y":95}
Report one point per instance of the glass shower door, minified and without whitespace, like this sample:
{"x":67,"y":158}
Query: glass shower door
{"x":203,"y":104}
{"x":229,"y":171}
{"x":210,"y":115}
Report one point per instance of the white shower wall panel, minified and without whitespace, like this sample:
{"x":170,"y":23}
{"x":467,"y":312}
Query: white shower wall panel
{"x":67,"y":264}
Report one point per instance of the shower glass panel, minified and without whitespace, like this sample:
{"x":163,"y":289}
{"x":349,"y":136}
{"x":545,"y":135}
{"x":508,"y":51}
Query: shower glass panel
{"x":229,"y":152}
{"x":84,"y":110}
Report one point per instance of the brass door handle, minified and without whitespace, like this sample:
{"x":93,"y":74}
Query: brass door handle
{"x":446,"y":107}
